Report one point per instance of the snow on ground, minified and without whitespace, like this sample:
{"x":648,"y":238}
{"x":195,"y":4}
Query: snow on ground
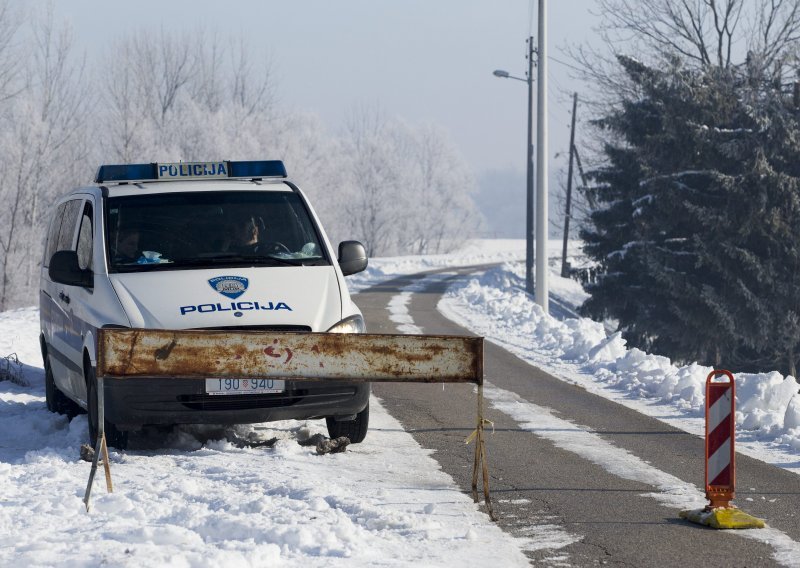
{"x":579,"y":350}
{"x":193,"y":498}
{"x":476,"y":251}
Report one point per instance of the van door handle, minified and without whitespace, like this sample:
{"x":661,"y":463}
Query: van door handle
{"x":64,"y":298}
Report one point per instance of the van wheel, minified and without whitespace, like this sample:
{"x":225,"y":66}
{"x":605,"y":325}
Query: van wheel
{"x":115,"y":438}
{"x":356,"y":429}
{"x":56,"y":400}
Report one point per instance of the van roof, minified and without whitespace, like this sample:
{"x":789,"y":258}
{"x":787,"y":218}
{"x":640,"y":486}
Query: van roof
{"x":155,"y":187}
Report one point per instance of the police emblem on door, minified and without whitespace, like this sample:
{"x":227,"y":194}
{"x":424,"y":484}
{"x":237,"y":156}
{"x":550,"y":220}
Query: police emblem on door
{"x":230,"y":286}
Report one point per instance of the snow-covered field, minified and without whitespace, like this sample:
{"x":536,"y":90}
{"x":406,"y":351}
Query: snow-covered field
{"x":193,"y":498}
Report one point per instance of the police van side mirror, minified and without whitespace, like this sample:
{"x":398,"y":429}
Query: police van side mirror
{"x":64,"y":269}
{"x":352,"y":257}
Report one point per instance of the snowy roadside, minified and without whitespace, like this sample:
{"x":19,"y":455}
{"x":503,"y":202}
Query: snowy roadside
{"x":193,"y":498}
{"x":670,"y":491}
{"x":477,"y":251}
{"x":578,"y":350}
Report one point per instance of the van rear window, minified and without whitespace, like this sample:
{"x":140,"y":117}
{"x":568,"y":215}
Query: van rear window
{"x":173,"y":231}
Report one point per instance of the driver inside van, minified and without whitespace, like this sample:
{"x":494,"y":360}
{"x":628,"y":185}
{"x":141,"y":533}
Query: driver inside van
{"x":242,"y":237}
{"x":128,"y":247}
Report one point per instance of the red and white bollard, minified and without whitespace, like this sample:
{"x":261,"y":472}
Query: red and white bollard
{"x":720,"y":454}
{"x":720,"y":460}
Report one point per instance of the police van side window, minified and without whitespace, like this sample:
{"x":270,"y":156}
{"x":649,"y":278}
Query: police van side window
{"x":52,"y":235}
{"x":67,"y":232}
{"x":85,"y":239}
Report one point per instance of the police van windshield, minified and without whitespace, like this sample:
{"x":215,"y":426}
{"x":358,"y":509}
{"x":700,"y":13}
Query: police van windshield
{"x":171,"y":231}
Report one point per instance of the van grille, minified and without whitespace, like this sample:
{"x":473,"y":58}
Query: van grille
{"x":237,"y":402}
{"x":252,"y":401}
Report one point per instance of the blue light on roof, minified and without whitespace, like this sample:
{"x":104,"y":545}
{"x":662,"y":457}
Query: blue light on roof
{"x":262,"y":169}
{"x":125,"y":172}
{"x":190,"y":171}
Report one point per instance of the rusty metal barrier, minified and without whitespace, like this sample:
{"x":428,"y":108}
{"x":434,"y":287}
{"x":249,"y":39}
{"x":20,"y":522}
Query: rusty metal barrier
{"x":198,"y":354}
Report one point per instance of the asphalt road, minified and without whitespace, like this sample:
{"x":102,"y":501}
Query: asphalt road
{"x":535,"y":484}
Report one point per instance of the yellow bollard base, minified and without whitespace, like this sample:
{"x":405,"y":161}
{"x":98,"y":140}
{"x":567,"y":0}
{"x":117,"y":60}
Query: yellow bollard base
{"x":723,"y":518}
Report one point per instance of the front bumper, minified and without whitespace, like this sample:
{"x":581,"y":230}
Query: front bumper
{"x":133,"y":403}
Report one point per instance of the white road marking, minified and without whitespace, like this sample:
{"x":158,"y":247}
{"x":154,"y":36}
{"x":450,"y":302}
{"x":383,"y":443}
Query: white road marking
{"x":672,"y":491}
{"x":533,"y":537}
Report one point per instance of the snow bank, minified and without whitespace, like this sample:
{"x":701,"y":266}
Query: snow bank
{"x":473,"y":252}
{"x":495,"y":305}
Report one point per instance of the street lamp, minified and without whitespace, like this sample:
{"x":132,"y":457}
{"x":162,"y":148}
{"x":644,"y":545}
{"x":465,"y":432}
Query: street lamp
{"x":542,"y":292}
{"x":529,"y":168}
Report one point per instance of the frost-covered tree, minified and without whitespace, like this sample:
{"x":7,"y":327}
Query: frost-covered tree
{"x":44,"y":136}
{"x":161,"y":96}
{"x":182,"y":97}
{"x":441,"y":198}
{"x":409,"y":190}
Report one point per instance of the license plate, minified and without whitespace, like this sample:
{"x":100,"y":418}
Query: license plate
{"x":244,"y":386}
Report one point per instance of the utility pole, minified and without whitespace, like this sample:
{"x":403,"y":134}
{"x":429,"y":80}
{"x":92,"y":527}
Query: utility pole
{"x":584,"y":182}
{"x":529,"y":171}
{"x":542,"y":293}
{"x":564,"y":268}
{"x":529,"y":233}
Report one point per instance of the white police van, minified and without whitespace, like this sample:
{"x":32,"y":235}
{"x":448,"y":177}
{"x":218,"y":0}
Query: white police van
{"x":217,"y":245}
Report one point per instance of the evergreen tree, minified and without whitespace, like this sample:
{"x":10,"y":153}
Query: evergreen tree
{"x":695,"y":239}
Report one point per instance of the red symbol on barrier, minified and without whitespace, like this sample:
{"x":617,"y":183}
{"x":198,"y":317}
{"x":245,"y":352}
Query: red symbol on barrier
{"x":720,"y":453}
{"x":270,"y":352}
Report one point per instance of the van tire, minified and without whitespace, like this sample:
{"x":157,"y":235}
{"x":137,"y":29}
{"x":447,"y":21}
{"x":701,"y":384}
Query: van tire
{"x":115,"y":438}
{"x":355,"y":430}
{"x":56,"y":400}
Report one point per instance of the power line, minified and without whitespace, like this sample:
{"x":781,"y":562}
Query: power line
{"x":565,"y":64}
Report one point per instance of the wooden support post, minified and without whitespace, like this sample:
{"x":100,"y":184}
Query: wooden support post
{"x":100,"y":446}
{"x":480,"y":459}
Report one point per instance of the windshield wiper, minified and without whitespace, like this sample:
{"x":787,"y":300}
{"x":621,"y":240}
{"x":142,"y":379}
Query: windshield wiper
{"x":295,"y":261}
{"x":220,"y":260}
{"x":234,"y":258}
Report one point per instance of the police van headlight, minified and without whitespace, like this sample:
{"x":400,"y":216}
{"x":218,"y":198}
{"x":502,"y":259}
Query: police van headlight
{"x":353,"y":324}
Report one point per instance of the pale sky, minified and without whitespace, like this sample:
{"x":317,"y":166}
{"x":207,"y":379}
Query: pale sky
{"x":423,"y":60}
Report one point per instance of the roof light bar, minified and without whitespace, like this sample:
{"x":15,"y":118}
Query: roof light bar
{"x":189,"y":171}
